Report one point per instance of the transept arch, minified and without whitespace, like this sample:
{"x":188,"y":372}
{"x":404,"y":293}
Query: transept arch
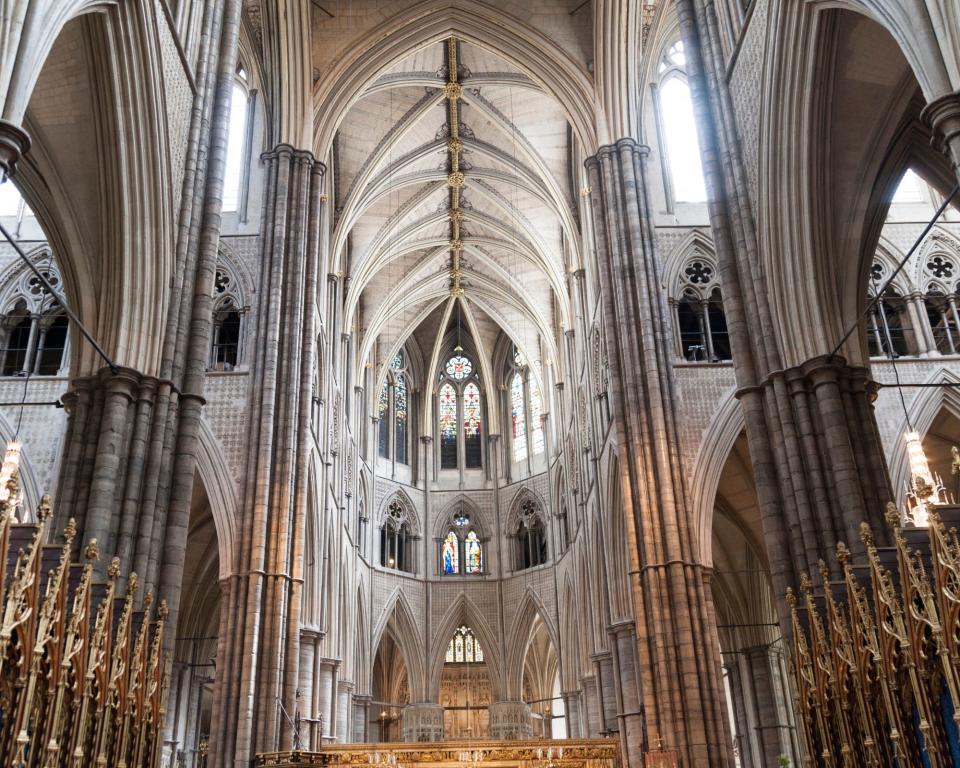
{"x":399,"y":621}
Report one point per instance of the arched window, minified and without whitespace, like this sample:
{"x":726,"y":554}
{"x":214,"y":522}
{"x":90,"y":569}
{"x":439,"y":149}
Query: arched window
{"x":226,"y":336}
{"x":678,"y":135}
{"x":526,"y":410}
{"x":530,"y":535}
{"x":464,"y":648}
{"x":461,"y":549}
{"x":396,"y":541}
{"x":34,"y":333}
{"x":393,"y":411}
{"x":460,"y":414}
{"x":889,"y":328}
{"x":235,"y":173}
{"x":700,"y":325}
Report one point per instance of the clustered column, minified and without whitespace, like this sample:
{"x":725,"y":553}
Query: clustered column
{"x":681,"y":701}
{"x":258,"y":661}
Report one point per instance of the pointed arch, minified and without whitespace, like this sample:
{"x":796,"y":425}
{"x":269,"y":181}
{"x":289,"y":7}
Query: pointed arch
{"x":221,"y":489}
{"x":399,"y":621}
{"x":530,"y":609}
{"x":463,"y":610}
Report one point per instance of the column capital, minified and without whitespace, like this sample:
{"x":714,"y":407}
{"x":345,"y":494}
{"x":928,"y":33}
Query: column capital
{"x":943,"y":117}
{"x":14,"y":144}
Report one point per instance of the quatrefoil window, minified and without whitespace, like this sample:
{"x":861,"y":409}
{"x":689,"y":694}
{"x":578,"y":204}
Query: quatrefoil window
{"x":36,"y":287}
{"x":698,"y":272}
{"x":940,"y":267}
{"x":876,"y":272}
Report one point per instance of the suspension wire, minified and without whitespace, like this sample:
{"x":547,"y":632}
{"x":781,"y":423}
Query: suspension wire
{"x":66,"y":307}
{"x":870,"y":305}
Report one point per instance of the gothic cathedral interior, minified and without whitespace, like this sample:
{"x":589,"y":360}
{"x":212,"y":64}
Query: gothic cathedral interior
{"x":566,"y":382}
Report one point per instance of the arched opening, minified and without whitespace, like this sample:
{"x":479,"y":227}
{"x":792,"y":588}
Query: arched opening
{"x":391,"y":691}
{"x":465,"y":687}
{"x":541,"y":684}
{"x":195,"y":650}
{"x":751,"y":646}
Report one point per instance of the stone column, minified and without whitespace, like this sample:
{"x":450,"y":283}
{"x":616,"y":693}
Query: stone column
{"x":592,"y":723}
{"x":607,"y":686}
{"x":14,"y":144}
{"x":572,"y":705}
{"x":325,"y":700}
{"x":624,"y":639}
{"x":943,"y":117}
{"x":361,"y":718}
{"x":422,"y":722}
{"x":344,"y":706}
{"x":681,"y":700}
{"x":264,"y":615}
{"x":510,"y":720}
{"x":770,"y":716}
{"x":811,"y":430}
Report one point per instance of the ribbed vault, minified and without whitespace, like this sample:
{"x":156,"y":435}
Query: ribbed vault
{"x":454,"y":197}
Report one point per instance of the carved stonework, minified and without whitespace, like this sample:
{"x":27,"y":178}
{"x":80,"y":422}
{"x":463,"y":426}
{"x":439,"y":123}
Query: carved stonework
{"x":510,"y":720}
{"x":423,"y":722}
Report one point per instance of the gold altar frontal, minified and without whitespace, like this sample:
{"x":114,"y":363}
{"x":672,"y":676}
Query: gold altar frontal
{"x":542,"y":753}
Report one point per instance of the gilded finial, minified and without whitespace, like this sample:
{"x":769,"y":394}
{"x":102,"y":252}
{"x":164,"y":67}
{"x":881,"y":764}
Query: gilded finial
{"x":892,"y":514}
{"x":70,"y":530}
{"x":843,"y":554}
{"x":866,"y":535}
{"x":92,"y":551}
{"x":806,"y":583}
{"x":955,"y":464}
{"x":43,"y":511}
{"x":114,"y":570}
{"x":147,"y":600}
{"x":162,"y":610}
{"x":132,"y":584}
{"x":791,"y":598}
{"x":824,"y":573}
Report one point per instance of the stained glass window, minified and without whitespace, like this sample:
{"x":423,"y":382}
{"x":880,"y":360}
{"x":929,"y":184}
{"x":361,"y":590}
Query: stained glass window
{"x":383,"y":426}
{"x":471,"y":426}
{"x":400,"y":418}
{"x":397,"y":362}
{"x":473,"y":553}
{"x":459,"y":367}
{"x":448,"y":427}
{"x":464,"y":647}
{"x":519,"y":419}
{"x":536,"y":419}
{"x":451,"y":553}
{"x":518,"y":358}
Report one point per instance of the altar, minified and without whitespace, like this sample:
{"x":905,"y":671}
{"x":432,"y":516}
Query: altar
{"x":541,"y":753}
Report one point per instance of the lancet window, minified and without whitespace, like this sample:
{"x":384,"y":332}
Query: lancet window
{"x":462,"y":547}
{"x":530,"y":536}
{"x":464,"y":647}
{"x":393,"y":412}
{"x":236,"y":176}
{"x":396,"y":539}
{"x":699,"y":321}
{"x":677,"y":129}
{"x":459,"y":414}
{"x":525,"y":409}
{"x":34,"y":331}
{"x":228,"y":322}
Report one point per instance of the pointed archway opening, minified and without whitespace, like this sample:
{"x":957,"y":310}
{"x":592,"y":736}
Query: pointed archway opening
{"x":541,"y":684}
{"x":391,"y":690}
{"x":198,"y":629}
{"x":465,"y":687}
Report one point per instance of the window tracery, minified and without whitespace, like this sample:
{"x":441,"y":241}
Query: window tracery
{"x":228,"y":321}
{"x":700,"y":323}
{"x":526,"y":410}
{"x":396,"y":539}
{"x":461,"y":549}
{"x":464,"y":647}
{"x":393,"y":412}
{"x":34,"y":328}
{"x":530,"y":535}
{"x":460,"y":414}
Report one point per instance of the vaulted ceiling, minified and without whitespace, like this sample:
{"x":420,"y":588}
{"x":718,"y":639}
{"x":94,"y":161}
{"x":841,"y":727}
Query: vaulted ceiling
{"x":455,"y":181}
